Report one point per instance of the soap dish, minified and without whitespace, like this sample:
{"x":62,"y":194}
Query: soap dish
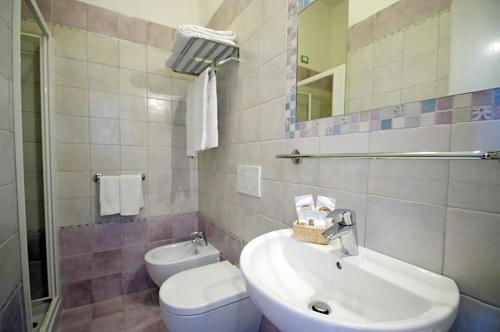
{"x":308,"y":234}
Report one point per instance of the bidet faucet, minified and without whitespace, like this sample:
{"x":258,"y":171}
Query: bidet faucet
{"x":200,"y":239}
{"x":343,"y":228}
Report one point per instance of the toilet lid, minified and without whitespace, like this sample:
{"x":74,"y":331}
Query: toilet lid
{"x":203,"y":289}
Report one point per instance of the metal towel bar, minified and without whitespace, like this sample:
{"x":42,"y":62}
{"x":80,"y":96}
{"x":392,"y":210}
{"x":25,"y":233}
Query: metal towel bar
{"x":97,"y":176}
{"x":296,"y":156}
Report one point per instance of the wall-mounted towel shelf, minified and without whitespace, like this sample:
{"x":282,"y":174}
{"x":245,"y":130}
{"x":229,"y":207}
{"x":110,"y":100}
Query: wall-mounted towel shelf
{"x":296,"y":156}
{"x":200,"y":53}
{"x":97,"y":176}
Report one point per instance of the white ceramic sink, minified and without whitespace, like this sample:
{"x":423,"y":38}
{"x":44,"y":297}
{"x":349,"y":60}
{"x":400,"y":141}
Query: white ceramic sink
{"x":371,"y":291}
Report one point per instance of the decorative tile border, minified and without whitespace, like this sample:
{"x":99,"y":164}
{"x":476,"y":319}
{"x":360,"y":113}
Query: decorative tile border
{"x":476,"y":106}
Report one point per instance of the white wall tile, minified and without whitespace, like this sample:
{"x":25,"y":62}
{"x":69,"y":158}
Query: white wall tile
{"x":104,"y":104}
{"x":71,"y":73}
{"x":133,"y":108}
{"x":7,"y":166}
{"x":102,"y":49}
{"x":475,"y":185}
{"x":421,"y":37}
{"x":70,"y":43}
{"x":104,"y":157}
{"x":274,"y":36}
{"x":474,"y":315}
{"x":71,"y":101}
{"x":71,"y":129}
{"x":133,"y":82}
{"x":133,"y":158}
{"x":103,"y":78}
{"x":471,"y":253}
{"x":409,"y":226}
{"x":133,"y":132}
{"x":132,"y":55}
{"x":272,"y":81}
{"x":73,"y":157}
{"x":104,"y":131}
{"x":8,"y":206}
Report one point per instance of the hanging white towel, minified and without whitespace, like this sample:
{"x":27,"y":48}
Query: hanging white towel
{"x":109,"y":195}
{"x":131,"y":197}
{"x":185,"y":32}
{"x":201,"y":113}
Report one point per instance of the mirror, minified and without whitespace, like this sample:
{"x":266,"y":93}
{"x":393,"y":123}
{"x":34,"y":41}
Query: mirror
{"x":321,"y":61}
{"x":355,"y":56}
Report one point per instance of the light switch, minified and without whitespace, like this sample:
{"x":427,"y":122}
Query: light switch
{"x":249,"y":180}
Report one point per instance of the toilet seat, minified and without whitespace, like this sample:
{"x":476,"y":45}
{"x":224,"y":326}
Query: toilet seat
{"x":203,"y":289}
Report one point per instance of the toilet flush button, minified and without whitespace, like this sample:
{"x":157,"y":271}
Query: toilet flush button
{"x":249,"y":180}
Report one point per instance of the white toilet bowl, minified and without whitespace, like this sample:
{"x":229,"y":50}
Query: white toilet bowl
{"x":208,"y":298}
{"x":165,"y":261}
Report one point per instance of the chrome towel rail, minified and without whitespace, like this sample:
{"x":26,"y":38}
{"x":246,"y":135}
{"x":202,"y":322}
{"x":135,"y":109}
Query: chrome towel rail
{"x":97,"y":176}
{"x":296,"y":156}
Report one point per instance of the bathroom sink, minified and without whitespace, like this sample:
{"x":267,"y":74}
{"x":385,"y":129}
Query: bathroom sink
{"x":368,"y":292}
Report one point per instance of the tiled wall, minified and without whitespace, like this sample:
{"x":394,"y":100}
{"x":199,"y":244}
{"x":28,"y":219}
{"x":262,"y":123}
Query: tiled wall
{"x":441,"y":215}
{"x":11,"y":294}
{"x":102,"y":261}
{"x":118,"y":110}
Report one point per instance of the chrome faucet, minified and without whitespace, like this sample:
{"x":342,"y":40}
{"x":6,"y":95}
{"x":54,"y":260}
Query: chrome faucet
{"x":200,"y":239}
{"x":343,"y":228}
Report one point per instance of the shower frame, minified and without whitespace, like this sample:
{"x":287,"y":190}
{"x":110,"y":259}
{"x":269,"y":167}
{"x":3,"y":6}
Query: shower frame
{"x":48,"y":139}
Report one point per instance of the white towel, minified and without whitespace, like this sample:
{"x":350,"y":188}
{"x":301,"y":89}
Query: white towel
{"x":131,"y":198}
{"x":201,"y":113}
{"x":185,"y":32}
{"x":109,"y":195}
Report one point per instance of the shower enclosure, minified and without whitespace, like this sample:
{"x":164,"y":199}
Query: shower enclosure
{"x":33,"y":164}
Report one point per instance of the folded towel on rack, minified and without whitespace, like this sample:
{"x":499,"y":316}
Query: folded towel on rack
{"x":109,"y":195}
{"x":131,"y":197}
{"x":186,"y":32}
{"x":201,"y":113}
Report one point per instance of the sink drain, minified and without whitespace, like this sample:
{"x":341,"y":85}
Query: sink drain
{"x":320,"y":307}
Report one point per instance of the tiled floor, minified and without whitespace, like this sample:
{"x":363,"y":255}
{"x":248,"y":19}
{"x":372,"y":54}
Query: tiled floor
{"x":137,"y":312}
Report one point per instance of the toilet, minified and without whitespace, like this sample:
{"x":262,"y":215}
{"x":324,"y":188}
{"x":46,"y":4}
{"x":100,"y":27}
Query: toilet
{"x":208,"y":298}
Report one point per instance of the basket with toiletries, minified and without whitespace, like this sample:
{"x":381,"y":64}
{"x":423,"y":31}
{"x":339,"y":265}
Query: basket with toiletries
{"x":312,"y":218}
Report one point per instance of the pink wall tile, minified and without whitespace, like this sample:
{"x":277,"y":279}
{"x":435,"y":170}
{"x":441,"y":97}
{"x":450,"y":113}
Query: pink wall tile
{"x":107,"y":236}
{"x":134,"y":281}
{"x":77,"y":293}
{"x":108,"y":307}
{"x":183,"y":226}
{"x":133,"y":257}
{"x":390,"y":19}
{"x":160,"y":36}
{"x":135,"y":232}
{"x":160,"y":230}
{"x":75,"y":268}
{"x":107,"y":287}
{"x":113,"y":322}
{"x":133,"y":29}
{"x":75,"y":240}
{"x":72,"y":316}
{"x":106,"y":262}
{"x":70,"y":13}
{"x":101,"y":20}
{"x":234,"y":247}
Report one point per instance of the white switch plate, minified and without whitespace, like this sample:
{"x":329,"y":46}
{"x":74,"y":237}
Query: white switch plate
{"x":249,"y":180}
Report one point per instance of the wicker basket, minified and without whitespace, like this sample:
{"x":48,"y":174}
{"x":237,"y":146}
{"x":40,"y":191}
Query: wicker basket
{"x":308,"y":234}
